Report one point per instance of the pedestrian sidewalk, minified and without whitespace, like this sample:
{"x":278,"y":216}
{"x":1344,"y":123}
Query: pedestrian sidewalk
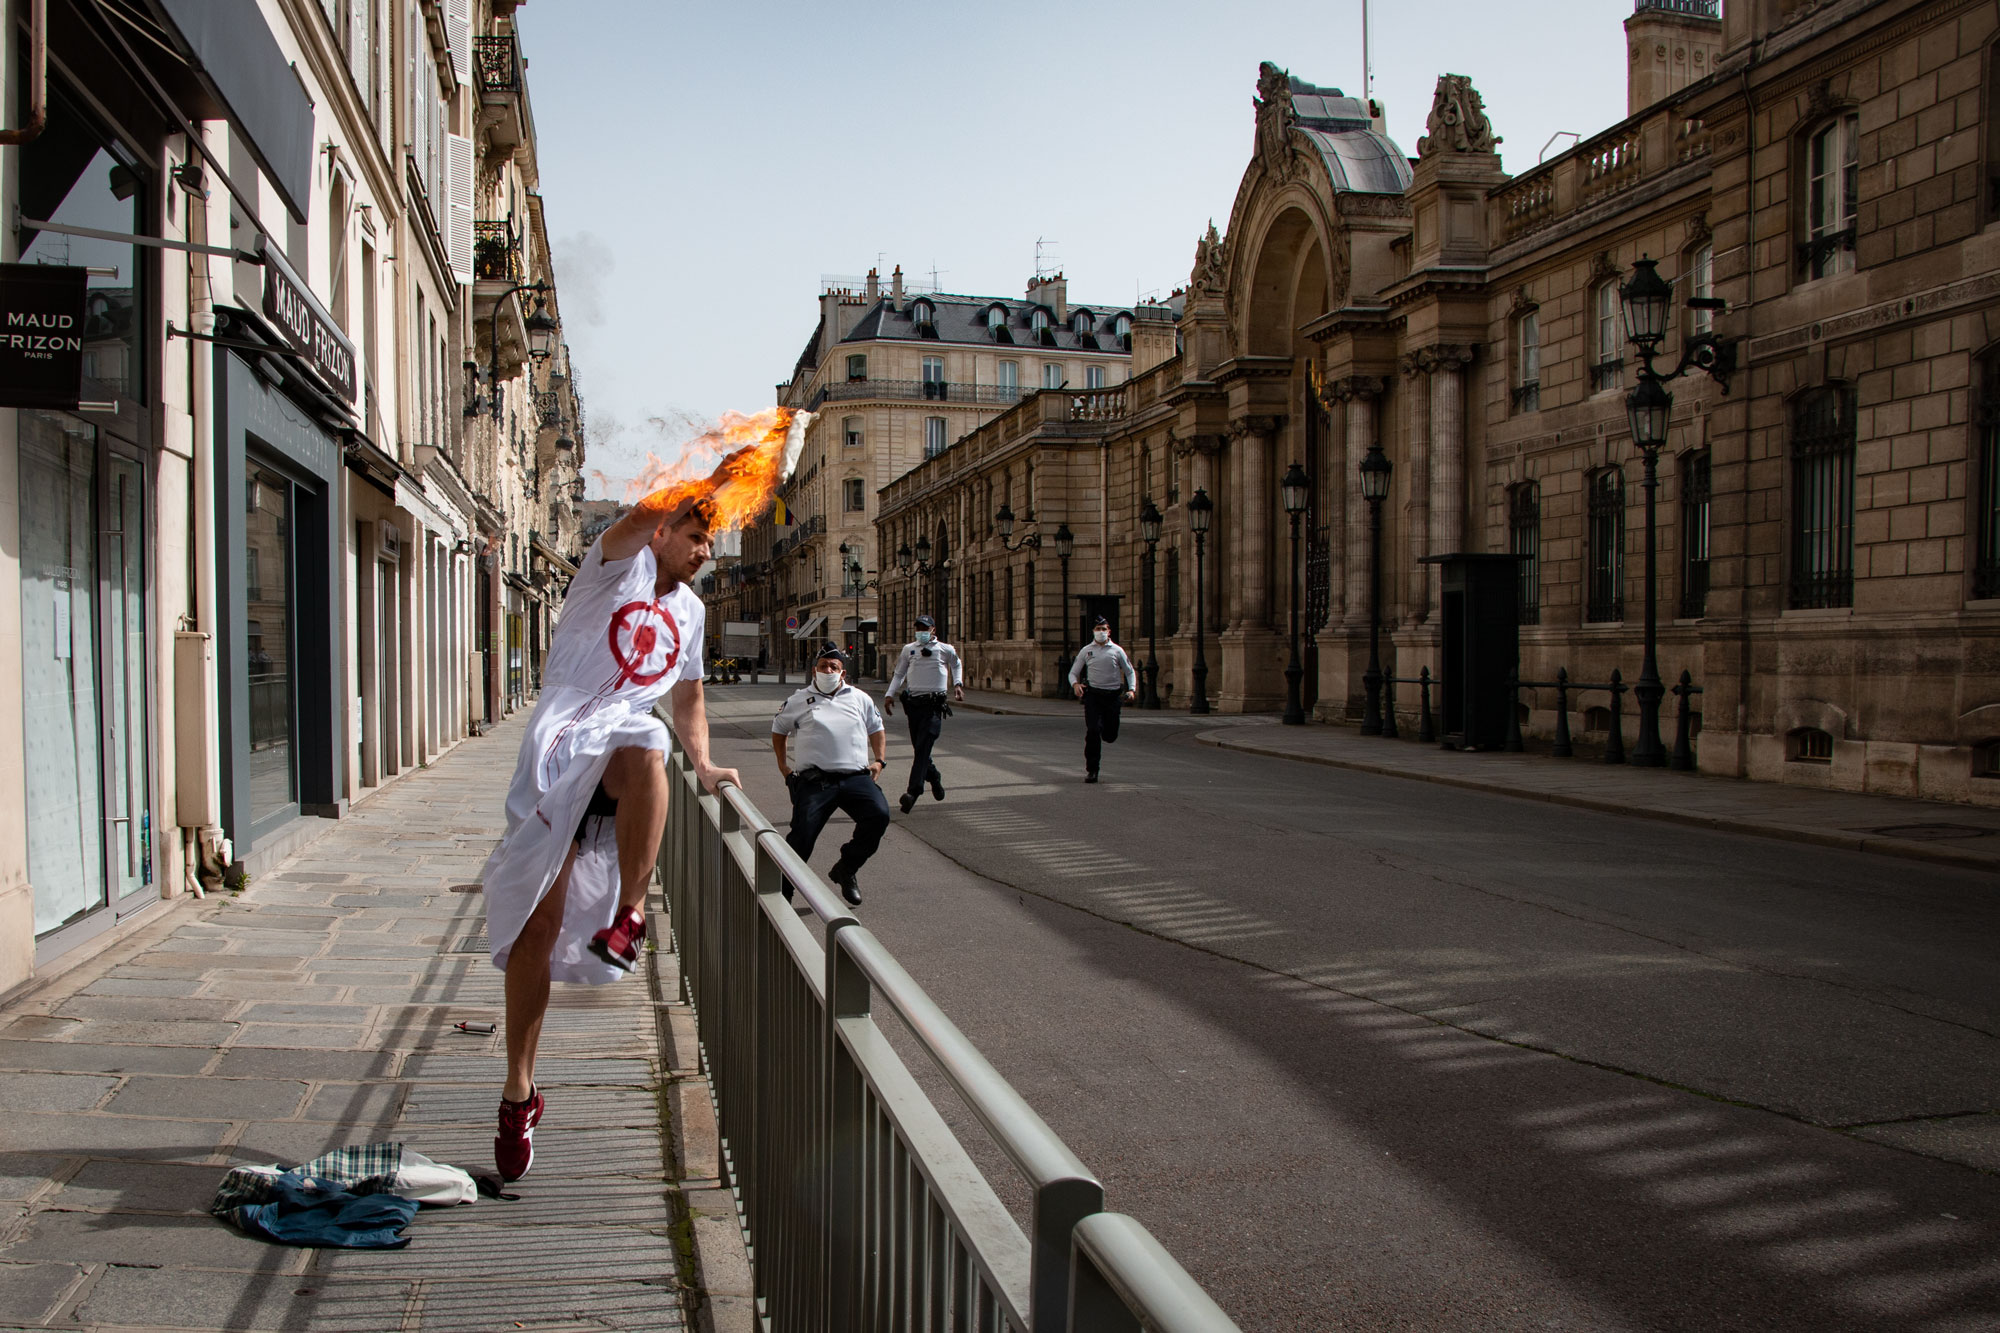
{"x":1893,"y":825}
{"x":314,"y":1010}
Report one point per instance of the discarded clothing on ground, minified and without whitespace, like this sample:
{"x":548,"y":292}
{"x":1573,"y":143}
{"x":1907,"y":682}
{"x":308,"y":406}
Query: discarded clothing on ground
{"x":332,"y":1200}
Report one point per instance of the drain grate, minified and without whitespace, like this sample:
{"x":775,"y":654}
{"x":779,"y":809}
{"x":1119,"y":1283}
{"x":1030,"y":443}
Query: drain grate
{"x":1930,"y":832}
{"x":473,"y":943}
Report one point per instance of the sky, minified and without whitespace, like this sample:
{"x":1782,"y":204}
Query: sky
{"x":704,"y":165}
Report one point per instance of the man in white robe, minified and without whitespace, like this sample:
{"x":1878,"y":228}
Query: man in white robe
{"x":565,"y":890}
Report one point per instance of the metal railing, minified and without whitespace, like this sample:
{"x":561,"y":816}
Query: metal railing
{"x":496,"y":252}
{"x":936,"y":391}
{"x":497,"y":62}
{"x":863,"y":1211}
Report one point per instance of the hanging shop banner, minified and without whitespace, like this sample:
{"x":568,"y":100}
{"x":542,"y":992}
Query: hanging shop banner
{"x":290,"y":305}
{"x":41,"y":335}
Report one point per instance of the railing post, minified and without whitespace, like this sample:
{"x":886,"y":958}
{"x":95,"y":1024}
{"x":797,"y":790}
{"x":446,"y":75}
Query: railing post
{"x":1562,"y":748}
{"x":1683,"y":759}
{"x":1059,"y":1206}
{"x":1614,"y":743}
{"x":1426,"y":725}
{"x":1389,"y":732}
{"x":1513,"y":745}
{"x":847,"y":996}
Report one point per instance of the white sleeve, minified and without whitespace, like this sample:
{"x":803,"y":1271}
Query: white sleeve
{"x":873,"y":718}
{"x":902,"y":669}
{"x":1131,"y":672}
{"x":957,"y":670}
{"x":1077,"y":667}
{"x":790,"y":714}
{"x":691,"y":647}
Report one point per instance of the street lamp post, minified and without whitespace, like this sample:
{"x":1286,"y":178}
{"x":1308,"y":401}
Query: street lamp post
{"x":1647,"y":299}
{"x":1375,"y":469}
{"x":1200,"y":510}
{"x":1295,"y":486}
{"x":1065,"y":548}
{"x":855,"y":574}
{"x":1149,"y":532}
{"x":541,"y":326}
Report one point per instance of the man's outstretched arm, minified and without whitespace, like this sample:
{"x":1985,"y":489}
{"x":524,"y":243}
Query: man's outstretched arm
{"x":690,"y":712}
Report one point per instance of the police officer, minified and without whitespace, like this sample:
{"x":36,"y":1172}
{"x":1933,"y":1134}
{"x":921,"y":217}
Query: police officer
{"x":1104,"y":679}
{"x":831,"y":746}
{"x":924,"y":670}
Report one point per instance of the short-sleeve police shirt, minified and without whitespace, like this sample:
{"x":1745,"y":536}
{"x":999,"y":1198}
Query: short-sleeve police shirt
{"x":828,"y":731}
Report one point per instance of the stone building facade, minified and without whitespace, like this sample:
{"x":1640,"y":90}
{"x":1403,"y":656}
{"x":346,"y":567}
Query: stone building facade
{"x":1827,"y":524}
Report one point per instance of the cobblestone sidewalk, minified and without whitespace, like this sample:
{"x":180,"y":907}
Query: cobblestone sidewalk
{"x":315,"y":1010}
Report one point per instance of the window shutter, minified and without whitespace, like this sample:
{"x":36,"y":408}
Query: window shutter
{"x":458,"y":30}
{"x":360,"y":45}
{"x":458,"y":223}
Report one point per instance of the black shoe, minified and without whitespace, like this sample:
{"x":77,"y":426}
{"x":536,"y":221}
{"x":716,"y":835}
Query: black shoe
{"x":906,"y":801}
{"x":1090,"y":776}
{"x":937,"y":790}
{"x":850,"y":886}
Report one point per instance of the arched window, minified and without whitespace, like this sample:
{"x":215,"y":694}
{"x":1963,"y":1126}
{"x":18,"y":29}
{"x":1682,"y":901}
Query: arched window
{"x":1039,"y":321}
{"x":923,"y":312}
{"x":1082,"y":322}
{"x":996,"y":317}
{"x":1832,"y":172}
{"x":1122,"y":326}
{"x":1528,"y":362}
{"x":1607,"y":351}
{"x":1822,"y":459}
{"x":1605,"y":591}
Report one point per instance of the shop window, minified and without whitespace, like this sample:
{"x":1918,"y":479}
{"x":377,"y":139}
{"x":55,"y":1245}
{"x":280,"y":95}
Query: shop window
{"x":1524,"y":539}
{"x":270,"y":633}
{"x":1832,"y":169}
{"x":1528,"y":363}
{"x":1810,"y":745}
{"x":1822,"y":458}
{"x":1605,"y":556}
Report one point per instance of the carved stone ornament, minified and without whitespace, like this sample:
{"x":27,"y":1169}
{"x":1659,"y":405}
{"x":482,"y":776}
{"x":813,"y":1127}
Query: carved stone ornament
{"x":1457,"y":121}
{"x":1603,"y":267}
{"x":1274,"y":120}
{"x":1698,"y":228}
{"x":1211,"y":264}
{"x":1334,"y":392}
{"x":1522,"y":302}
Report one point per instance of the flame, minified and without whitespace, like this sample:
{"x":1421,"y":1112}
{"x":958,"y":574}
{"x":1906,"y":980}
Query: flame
{"x":734,"y":467}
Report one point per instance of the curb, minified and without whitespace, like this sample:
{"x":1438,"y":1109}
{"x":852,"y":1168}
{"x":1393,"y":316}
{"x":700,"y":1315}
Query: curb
{"x":1903,"y":848}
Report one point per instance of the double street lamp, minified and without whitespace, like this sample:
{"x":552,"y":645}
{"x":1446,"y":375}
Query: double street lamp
{"x":851,"y":568}
{"x":1065,"y":548}
{"x":1647,"y":299}
{"x":1295,"y":487}
{"x":541,"y":328}
{"x":1375,"y":470}
{"x":1149,"y":680}
{"x":1200,"y":511}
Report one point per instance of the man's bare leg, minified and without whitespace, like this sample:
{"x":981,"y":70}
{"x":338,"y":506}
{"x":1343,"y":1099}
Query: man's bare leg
{"x":527,"y":984}
{"x":637,"y":780}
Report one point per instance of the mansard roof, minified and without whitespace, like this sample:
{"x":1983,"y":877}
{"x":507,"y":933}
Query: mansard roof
{"x":962,"y":320}
{"x":1359,"y":158}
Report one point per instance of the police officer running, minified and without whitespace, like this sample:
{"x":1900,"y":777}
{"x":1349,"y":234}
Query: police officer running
{"x":1104,"y":679}
{"x":831,"y":746}
{"x":923,"y":672}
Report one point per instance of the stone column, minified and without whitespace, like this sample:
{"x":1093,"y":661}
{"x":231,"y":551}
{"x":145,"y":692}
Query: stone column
{"x":1447,"y":517}
{"x":1227,"y":536}
{"x":1252,"y":574}
{"x":1199,"y":450}
{"x":1359,"y":392}
{"x":1417,"y":367}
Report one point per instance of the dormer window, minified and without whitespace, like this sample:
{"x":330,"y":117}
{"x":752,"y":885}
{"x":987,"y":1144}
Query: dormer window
{"x":996,"y":324}
{"x":1039,"y":321}
{"x":1121,"y":328}
{"x":1082,"y":323}
{"x":923,"y":312}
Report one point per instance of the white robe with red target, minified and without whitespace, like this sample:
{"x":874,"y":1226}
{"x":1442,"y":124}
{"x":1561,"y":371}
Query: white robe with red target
{"x":618,"y":648}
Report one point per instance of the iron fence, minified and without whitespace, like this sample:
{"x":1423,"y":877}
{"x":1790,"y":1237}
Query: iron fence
{"x":863,"y":1210}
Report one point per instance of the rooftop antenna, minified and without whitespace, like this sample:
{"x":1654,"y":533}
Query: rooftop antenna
{"x":934,"y":276}
{"x":1045,"y":266}
{"x":1367,"y":72}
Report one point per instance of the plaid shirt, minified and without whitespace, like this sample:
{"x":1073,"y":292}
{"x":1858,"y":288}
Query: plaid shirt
{"x":363,"y":1168}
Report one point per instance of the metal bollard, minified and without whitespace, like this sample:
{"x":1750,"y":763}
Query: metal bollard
{"x":1563,"y":749}
{"x":1513,"y":745}
{"x":1389,"y":732}
{"x":1683,"y":757}
{"x":1426,"y":726}
{"x":1614,"y":743}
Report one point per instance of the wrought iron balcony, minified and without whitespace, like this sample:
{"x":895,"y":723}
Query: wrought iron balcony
{"x":1528,"y":397}
{"x":496,"y":252}
{"x":497,"y":63}
{"x":1701,"y":9}
{"x":548,"y":405}
{"x":937,"y":391}
{"x":503,"y":95}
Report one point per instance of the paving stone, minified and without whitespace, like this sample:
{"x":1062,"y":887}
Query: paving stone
{"x":191,"y":944}
{"x":95,"y":1134}
{"x":70,"y":1057}
{"x":380,"y":966}
{"x":467,"y":1307}
{"x":344,"y":950}
{"x":40,"y":1026}
{"x":103,"y":1031}
{"x":144,"y":1009}
{"x":384,"y":899}
{"x":359,"y":1103}
{"x":290,"y":1142}
{"x":328,"y":1066}
{"x":209,"y":1098}
{"x":308,"y":877}
{"x":136,"y":1238}
{"x":295,"y":1034}
{"x":295,"y":1303}
{"x":149,"y":1187}
{"x":53,"y":1092}
{"x":24,"y":1173}
{"x":234,"y":989}
{"x":272,"y":944}
{"x":261,"y":918}
{"x":155,"y":965}
{"x":163,"y":987}
{"x":30,"y":1293}
{"x":280,"y":1012}
{"x":254,"y":969}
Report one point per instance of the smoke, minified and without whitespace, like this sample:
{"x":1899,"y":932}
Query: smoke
{"x":583,"y":265}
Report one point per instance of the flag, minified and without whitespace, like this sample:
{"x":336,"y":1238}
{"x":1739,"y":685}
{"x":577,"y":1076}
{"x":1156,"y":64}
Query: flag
{"x":780,"y":516}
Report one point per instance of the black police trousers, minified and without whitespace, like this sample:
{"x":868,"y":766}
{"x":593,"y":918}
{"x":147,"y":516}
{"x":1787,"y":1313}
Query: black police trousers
{"x":817,"y":795}
{"x":1101,"y":711}
{"x":926,"y":725}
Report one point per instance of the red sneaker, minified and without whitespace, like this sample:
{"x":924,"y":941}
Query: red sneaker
{"x":618,"y":943}
{"x":514,"y":1145}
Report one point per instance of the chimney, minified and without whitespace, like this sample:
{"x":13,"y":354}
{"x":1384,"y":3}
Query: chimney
{"x":1052,"y":292}
{"x":896,"y":290}
{"x":1669,"y":44}
{"x":874,"y":286}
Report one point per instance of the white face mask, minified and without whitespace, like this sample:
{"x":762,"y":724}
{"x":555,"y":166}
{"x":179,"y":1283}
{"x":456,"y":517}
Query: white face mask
{"x":1102,"y":635}
{"x":923,"y":636}
{"x":826,"y":681}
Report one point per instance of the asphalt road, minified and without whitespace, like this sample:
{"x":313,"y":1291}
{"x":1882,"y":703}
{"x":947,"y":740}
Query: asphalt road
{"x":1374,"y":1054}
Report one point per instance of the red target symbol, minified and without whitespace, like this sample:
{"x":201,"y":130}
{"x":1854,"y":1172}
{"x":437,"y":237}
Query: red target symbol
{"x":644,"y":637}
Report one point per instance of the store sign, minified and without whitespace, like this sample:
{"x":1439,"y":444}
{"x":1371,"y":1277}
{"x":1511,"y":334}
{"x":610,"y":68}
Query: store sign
{"x":41,"y":335}
{"x":290,"y":305}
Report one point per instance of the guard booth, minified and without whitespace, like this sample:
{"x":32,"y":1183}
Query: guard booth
{"x":1480,"y":647}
